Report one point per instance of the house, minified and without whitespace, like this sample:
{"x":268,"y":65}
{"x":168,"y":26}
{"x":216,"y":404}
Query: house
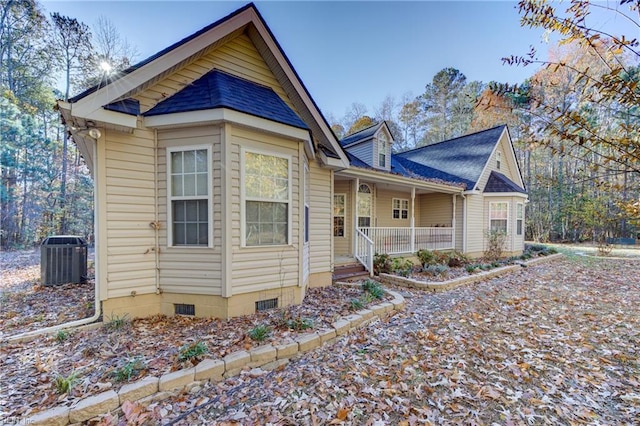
{"x":221,"y":190}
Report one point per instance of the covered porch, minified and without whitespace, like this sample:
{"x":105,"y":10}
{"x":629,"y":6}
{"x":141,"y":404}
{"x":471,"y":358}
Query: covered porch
{"x":393,"y":215}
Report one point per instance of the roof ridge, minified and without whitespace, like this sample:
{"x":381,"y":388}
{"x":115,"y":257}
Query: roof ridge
{"x":362,"y":130}
{"x":164,"y":51}
{"x":452,"y":139}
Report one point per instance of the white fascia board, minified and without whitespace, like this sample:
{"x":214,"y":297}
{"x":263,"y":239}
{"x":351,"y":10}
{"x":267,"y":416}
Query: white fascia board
{"x":506,"y":194}
{"x":110,"y":117}
{"x":330,"y":162}
{"x":131,"y":81}
{"x":376,"y":176}
{"x":220,"y":115}
{"x":472,"y":192}
{"x":291,"y":75}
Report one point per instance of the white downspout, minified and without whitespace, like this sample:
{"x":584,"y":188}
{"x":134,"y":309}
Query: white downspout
{"x":156,"y":222}
{"x":96,"y":295}
{"x":453,"y":220}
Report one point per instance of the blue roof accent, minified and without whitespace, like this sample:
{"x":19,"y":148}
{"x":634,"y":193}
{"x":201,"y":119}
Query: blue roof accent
{"x":217,"y":89}
{"x":361,"y":135}
{"x":463,"y":158}
{"x":417,"y":170}
{"x":126,"y":106}
{"x":498,"y":182}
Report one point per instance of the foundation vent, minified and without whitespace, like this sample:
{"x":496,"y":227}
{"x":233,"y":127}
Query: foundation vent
{"x":264,"y":305}
{"x":184,"y":309}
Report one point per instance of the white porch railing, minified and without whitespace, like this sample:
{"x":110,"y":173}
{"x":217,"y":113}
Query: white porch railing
{"x":364,"y":251}
{"x":409,"y":240}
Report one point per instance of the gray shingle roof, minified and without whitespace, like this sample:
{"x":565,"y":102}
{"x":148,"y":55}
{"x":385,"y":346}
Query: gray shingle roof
{"x":462,"y":158}
{"x":126,"y":106}
{"x":498,"y":182}
{"x":217,"y":89}
{"x":361,"y":135}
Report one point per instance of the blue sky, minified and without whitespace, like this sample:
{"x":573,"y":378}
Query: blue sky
{"x":346,"y":52}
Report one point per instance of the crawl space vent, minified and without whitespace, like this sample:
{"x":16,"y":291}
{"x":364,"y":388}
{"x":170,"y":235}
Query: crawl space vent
{"x":264,"y":305}
{"x":183,"y":309}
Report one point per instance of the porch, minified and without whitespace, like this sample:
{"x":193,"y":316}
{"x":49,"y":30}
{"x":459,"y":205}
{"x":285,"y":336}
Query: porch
{"x":400,"y":240}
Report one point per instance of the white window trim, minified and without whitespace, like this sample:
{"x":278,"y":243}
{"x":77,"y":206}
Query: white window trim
{"x":243,"y":199}
{"x":490,"y":210}
{"x":170,"y":198}
{"x":520,"y":206}
{"x":400,"y":209}
{"x":382,"y":143}
{"x":344,"y":216}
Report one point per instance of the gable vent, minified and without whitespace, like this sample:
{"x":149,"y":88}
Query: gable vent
{"x":183,"y":309}
{"x":264,"y":305}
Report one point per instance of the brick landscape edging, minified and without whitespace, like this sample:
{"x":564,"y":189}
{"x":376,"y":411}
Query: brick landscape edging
{"x":268,"y":357}
{"x":437,"y":286}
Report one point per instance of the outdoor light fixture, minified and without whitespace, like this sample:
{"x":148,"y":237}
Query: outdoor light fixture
{"x":95,"y":133}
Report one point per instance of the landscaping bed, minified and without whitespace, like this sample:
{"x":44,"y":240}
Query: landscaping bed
{"x":63,"y":368}
{"x":440,"y":266}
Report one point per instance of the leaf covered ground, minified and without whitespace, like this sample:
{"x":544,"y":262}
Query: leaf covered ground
{"x":557,"y":343}
{"x":121,"y":350}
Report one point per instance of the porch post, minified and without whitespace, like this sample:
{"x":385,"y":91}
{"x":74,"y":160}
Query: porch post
{"x":356,"y":185}
{"x":453,"y":223}
{"x":412,"y":222}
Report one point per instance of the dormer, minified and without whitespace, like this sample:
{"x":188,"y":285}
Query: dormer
{"x":371,"y":145}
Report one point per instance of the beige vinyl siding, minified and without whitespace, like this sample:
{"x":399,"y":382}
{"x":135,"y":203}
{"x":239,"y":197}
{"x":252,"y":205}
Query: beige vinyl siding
{"x":342,"y":245}
{"x":320,"y":218}
{"x":384,"y":207}
{"x":192,"y":270}
{"x":128,"y":168}
{"x":239,"y":57}
{"x":507,"y":164}
{"x":435,"y":210}
{"x":266,"y":267}
{"x":476,"y":224}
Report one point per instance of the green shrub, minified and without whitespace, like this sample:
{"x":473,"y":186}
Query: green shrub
{"x":381,"y":263}
{"x":259,"y":333}
{"x":64,"y":384}
{"x":402,"y":266}
{"x":116,"y":323}
{"x":427,"y":257}
{"x":456,"y":259}
{"x":300,"y":324}
{"x":192,"y":351}
{"x":62,"y":335}
{"x":131,"y":367}
{"x":435,"y":270}
{"x":356,"y":304}
{"x":471,"y":268}
{"x":373,"y":288}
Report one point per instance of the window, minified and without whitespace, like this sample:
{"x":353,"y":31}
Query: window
{"x":339,"y":204}
{"x":382,"y":150}
{"x":498,"y":214}
{"x":267,"y":197}
{"x":400,"y":208}
{"x":498,"y":159}
{"x":364,"y":206}
{"x":189,"y":196}
{"x":519,"y":218}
